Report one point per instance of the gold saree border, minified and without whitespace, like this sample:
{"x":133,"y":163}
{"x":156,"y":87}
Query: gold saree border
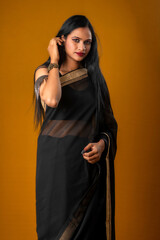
{"x":108,"y":194}
{"x":74,"y":76}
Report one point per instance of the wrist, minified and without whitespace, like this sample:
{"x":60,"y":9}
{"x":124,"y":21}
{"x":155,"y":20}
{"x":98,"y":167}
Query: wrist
{"x":54,"y":61}
{"x":52,"y":65}
{"x":102,"y":144}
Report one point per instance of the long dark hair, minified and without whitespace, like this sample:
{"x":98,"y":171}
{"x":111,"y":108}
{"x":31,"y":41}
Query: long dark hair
{"x":104,"y":112}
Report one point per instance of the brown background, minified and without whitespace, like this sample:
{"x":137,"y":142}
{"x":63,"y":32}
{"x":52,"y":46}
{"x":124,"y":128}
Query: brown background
{"x":129,"y":59}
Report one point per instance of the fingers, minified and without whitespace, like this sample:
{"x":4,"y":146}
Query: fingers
{"x":91,"y":153}
{"x":90,"y":145}
{"x":91,"y":148}
{"x":57,"y":39}
{"x":93,"y":156}
{"x":95,"y":159}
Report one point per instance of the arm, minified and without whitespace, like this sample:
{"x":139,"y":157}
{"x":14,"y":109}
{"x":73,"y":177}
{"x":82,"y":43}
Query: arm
{"x":48,"y":86}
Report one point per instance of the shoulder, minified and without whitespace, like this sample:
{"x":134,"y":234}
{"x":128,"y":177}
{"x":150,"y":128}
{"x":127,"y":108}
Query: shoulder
{"x":41,"y":71}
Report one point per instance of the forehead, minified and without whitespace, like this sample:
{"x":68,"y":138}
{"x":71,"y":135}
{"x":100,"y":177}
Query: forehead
{"x":83,"y":33}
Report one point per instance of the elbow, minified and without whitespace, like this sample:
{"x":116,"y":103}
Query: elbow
{"x":52,"y":103}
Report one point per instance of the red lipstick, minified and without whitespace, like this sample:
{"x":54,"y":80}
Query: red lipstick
{"x":80,"y":54}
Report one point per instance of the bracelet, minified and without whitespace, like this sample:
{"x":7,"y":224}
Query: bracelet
{"x":52,"y":65}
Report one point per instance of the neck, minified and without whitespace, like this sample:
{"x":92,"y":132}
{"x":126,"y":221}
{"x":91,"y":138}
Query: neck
{"x":70,"y":65}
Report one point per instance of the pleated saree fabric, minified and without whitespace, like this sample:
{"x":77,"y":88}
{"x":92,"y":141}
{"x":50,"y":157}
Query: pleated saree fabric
{"x":73,"y":197}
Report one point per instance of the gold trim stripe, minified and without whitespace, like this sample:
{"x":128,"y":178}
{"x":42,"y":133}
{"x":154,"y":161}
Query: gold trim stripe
{"x":74,"y":76}
{"x":108,"y":194}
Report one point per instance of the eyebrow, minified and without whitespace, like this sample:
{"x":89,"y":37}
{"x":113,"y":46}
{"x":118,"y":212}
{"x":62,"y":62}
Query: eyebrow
{"x":81,"y":38}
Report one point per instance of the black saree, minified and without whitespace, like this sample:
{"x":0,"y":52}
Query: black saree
{"x":71,"y":194}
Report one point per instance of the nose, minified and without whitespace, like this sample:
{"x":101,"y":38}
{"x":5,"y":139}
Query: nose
{"x":81,"y":46}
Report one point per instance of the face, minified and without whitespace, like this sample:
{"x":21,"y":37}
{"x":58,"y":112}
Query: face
{"x":78,"y":41}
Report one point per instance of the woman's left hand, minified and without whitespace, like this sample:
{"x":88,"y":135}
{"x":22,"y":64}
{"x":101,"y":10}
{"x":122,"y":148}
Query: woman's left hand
{"x":96,"y":151}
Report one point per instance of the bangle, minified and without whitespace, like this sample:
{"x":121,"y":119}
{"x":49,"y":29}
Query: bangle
{"x":52,"y":65}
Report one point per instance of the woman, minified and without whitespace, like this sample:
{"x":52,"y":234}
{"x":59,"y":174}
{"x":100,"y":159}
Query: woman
{"x":77,"y":135}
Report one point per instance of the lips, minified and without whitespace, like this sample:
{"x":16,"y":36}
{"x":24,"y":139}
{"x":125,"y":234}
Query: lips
{"x":80,"y":54}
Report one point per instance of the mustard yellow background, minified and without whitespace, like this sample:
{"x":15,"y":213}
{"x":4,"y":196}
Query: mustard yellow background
{"x":129,"y":52}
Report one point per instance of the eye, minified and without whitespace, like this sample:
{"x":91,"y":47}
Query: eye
{"x":88,"y":42}
{"x":75,"y":40}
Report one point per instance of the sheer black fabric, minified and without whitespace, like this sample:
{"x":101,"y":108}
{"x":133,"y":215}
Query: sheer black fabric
{"x":64,"y":210}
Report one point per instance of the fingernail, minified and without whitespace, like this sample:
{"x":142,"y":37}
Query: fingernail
{"x":82,"y":151}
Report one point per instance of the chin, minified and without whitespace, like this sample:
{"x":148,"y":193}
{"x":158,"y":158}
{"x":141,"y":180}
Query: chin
{"x":80,"y":58}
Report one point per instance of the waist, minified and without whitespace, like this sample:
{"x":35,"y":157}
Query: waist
{"x":62,"y":128}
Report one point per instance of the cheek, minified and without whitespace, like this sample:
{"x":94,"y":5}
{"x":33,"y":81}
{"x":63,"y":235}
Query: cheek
{"x":88,"y":48}
{"x":70,"y":46}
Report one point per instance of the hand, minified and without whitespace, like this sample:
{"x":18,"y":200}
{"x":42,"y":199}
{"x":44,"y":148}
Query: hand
{"x":53,"y":48}
{"x":96,"y":151}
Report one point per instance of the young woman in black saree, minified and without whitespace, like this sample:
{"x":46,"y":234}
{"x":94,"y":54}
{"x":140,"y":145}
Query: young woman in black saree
{"x":77,"y":144}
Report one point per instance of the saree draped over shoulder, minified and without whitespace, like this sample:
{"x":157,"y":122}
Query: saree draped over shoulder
{"x":73,"y":197}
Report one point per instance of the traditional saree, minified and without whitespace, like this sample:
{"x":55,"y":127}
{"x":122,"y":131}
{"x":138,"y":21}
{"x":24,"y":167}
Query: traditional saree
{"x":74,"y":199}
